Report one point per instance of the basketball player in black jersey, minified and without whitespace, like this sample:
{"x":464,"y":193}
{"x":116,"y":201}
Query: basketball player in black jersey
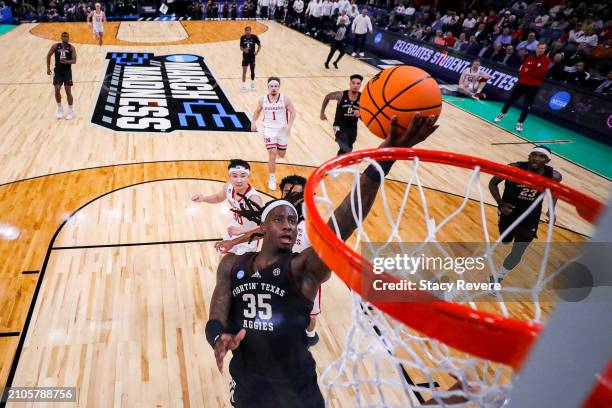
{"x":247,"y":45}
{"x":65,"y":57}
{"x":515,"y":201}
{"x":347,"y":114}
{"x":261,"y":303}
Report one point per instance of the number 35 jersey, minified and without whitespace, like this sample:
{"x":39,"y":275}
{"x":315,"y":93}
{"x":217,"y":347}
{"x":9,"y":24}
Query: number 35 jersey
{"x":275,"y":314}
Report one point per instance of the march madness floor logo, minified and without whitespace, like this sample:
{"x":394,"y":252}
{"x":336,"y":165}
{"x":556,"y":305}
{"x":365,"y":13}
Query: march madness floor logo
{"x":144,"y":93}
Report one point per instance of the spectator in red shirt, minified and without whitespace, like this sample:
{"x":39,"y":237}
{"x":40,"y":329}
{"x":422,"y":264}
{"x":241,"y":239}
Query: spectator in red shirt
{"x":438,"y":39}
{"x":531,"y":73}
{"x":449,"y":39}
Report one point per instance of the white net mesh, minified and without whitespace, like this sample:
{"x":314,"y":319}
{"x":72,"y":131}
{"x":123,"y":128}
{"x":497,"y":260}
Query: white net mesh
{"x":384,"y":362}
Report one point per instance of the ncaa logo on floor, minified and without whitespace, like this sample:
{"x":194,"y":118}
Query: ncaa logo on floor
{"x":145,"y":93}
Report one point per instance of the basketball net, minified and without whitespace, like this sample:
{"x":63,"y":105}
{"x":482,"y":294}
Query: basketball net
{"x":385,"y":362}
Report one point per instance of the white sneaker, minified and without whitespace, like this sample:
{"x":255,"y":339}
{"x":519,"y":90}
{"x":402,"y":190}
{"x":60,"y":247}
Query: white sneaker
{"x":354,"y":54}
{"x":252,"y":86}
{"x":361,"y":54}
{"x":60,"y":112}
{"x":70,"y":115}
{"x":272,"y":183}
{"x":519,"y":127}
{"x":499,"y":118}
{"x":243,"y":88}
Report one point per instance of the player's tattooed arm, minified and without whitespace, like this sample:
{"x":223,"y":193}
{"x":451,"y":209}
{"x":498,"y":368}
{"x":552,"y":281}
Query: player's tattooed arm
{"x":336,"y":96}
{"x":222,"y":294}
{"x":313,"y":269}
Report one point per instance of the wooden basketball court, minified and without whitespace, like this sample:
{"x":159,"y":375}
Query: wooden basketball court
{"x":107,"y":267}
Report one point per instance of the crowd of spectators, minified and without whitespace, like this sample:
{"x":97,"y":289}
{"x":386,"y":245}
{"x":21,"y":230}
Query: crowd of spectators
{"x":578,"y":33}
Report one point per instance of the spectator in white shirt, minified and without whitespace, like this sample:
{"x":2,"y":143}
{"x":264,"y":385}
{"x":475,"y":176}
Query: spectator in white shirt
{"x":343,"y":18}
{"x":298,"y":9}
{"x":344,"y":5}
{"x":352,"y":13}
{"x":469,"y":22}
{"x":361,"y":26}
{"x":409,"y":11}
{"x":327,"y":10}
{"x":263,"y":11}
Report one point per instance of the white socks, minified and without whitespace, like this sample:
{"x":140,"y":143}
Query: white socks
{"x":311,"y":333}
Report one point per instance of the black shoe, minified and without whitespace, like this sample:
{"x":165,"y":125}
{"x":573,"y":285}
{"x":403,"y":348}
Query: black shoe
{"x":326,"y":65}
{"x":335,"y":64}
{"x":311,"y":341}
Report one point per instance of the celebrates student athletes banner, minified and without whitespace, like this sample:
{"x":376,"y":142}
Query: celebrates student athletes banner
{"x":146,"y":93}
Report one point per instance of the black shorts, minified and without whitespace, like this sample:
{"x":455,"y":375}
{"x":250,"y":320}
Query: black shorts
{"x":249,"y":392}
{"x":525,"y":231}
{"x":62,"y":77}
{"x":248,"y":59}
{"x":345,"y":137}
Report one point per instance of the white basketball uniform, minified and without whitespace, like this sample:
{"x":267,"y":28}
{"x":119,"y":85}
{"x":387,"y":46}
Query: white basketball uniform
{"x":234,"y":201}
{"x":275,"y":120}
{"x":301,"y":243}
{"x":472,"y":78}
{"x":97,"y":19}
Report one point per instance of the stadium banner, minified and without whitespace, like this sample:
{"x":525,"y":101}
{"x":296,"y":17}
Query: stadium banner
{"x":579,"y":108}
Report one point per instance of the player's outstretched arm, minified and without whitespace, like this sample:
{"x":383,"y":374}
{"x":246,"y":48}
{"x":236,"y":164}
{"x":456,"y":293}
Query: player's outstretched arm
{"x":335,"y":96}
{"x":216,"y":198}
{"x":220,"y":303}
{"x":313,"y":269}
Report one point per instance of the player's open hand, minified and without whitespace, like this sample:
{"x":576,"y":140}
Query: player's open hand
{"x":323,"y":116}
{"x":419,"y":129}
{"x":227,"y":342}
{"x":506,"y":209}
{"x":198,"y":198}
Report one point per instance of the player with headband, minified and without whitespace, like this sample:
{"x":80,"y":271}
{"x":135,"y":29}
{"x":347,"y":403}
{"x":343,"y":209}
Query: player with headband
{"x":292,"y":189}
{"x":515,"y":201}
{"x":262,"y":300}
{"x":278,"y":117}
{"x":235,"y":191}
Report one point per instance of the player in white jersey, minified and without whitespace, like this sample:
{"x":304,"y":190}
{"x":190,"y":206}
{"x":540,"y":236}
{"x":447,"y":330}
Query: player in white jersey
{"x":278,"y":117}
{"x":96,"y":20}
{"x":473,"y":81}
{"x":235,"y":191}
{"x":292,"y":189}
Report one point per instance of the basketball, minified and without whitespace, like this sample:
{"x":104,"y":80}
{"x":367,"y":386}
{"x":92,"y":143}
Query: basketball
{"x":399,"y":91}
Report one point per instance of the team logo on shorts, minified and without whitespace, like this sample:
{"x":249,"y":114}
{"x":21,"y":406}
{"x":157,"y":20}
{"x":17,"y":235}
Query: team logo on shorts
{"x":240,"y":274}
{"x":276,"y":271}
{"x":145,"y":93}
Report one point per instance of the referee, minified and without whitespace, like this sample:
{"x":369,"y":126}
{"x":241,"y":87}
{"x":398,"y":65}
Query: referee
{"x":531,"y":73}
{"x":337,"y":44}
{"x":347,"y":114}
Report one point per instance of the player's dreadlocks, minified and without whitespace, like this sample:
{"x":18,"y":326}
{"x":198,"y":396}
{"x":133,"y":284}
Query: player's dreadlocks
{"x":253,"y":211}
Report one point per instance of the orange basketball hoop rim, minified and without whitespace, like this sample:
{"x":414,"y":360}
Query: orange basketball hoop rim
{"x":485,"y":335}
